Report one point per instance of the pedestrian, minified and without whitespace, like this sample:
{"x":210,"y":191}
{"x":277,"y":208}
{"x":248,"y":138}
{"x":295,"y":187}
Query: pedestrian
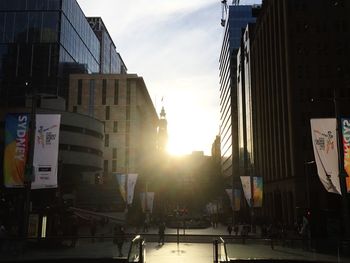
{"x":229,"y":229}
{"x":305,"y":233}
{"x":235,"y":229}
{"x":146,"y":223}
{"x":161,"y":232}
{"x":3,"y":235}
{"x":119,"y":238}
{"x":93,"y":230}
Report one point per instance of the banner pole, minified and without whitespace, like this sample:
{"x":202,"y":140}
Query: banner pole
{"x":29,"y":175}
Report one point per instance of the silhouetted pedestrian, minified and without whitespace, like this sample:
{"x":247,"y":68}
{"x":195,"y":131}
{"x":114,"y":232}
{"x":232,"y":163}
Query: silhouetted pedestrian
{"x":161,"y":232}
{"x":119,"y":238}
{"x":235,"y":229}
{"x":229,"y":229}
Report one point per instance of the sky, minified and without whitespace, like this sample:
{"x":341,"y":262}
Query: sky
{"x":175,"y":46}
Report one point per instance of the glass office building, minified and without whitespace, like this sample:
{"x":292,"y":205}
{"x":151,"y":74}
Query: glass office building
{"x":41,"y":42}
{"x":238,"y":18}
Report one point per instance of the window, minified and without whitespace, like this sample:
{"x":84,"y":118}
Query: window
{"x":107,"y":112}
{"x":104,"y":91}
{"x":106,"y":140}
{"x":80,"y":91}
{"x":105,"y":166}
{"x":128,"y":113}
{"x":127,"y":158}
{"x":115,"y":153}
{"x":116,"y":92}
{"x":127,"y":140}
{"x":115,"y":126}
{"x":128,"y":92}
{"x":127,"y":128}
{"x":114,"y":165}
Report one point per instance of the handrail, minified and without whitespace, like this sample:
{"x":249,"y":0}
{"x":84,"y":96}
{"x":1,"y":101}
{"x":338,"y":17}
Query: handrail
{"x":217,"y":255}
{"x":140,"y":242}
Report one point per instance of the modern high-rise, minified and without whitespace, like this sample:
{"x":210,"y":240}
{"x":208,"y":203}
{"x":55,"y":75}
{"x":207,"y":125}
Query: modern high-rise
{"x":238,"y":18}
{"x":41,"y":42}
{"x":295,"y":67}
{"x":110,"y":60}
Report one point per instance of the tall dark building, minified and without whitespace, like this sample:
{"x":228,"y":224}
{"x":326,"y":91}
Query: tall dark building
{"x":41,"y":42}
{"x":111,"y":61}
{"x":238,"y":18}
{"x":296,"y":61}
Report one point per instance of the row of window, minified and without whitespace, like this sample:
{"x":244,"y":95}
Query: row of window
{"x":127,"y":140}
{"x":104,"y":91}
{"x":115,"y":163}
{"x":323,"y":72}
{"x":322,"y":27}
{"x":30,"y":5}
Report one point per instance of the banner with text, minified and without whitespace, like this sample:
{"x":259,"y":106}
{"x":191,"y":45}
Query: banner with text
{"x":132,"y":178}
{"x":324,"y":140}
{"x":147,"y":200}
{"x":16,"y":149}
{"x":346,"y":146}
{"x":46,"y":150}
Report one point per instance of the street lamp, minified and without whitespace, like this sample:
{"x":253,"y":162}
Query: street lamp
{"x":306,"y":165}
{"x":29,"y":171}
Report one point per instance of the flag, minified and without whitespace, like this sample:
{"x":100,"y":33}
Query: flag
{"x":121,"y":179}
{"x":258,"y":191}
{"x":131,"y":187}
{"x":16,"y":149}
{"x":247,"y":190}
{"x":324,"y":140}
{"x":346,"y":146}
{"x":45,"y":160}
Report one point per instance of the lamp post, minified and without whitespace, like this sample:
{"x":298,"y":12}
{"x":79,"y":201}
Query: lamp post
{"x":29,"y":171}
{"x":306,"y":165}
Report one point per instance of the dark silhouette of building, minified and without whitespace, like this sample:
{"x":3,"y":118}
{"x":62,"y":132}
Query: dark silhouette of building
{"x":294,"y":64}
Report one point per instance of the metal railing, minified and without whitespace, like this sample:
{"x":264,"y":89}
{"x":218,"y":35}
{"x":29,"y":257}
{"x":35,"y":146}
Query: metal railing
{"x":219,"y":251}
{"x":137,"y":252}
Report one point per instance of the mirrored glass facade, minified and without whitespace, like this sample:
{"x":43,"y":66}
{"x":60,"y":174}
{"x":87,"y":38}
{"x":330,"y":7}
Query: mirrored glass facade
{"x":238,"y":18}
{"x":41,"y":42}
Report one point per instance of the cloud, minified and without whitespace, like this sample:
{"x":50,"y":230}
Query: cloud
{"x":175,"y":46}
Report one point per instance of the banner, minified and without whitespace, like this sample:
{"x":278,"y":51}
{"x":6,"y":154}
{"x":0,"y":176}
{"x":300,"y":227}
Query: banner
{"x":16,"y":149}
{"x":132,"y":178}
{"x":247,"y":190}
{"x":345,"y":123}
{"x":235,"y":199}
{"x":258,"y":191}
{"x":46,"y":150}
{"x":147,"y":200}
{"x":121,"y":179}
{"x":324,"y":140}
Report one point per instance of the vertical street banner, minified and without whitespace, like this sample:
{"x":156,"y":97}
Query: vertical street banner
{"x":132,"y":178}
{"x":324,"y":140}
{"x":247,"y":190}
{"x":258,"y":191}
{"x":45,"y":160}
{"x":121,"y":179}
{"x":237,"y":199}
{"x":16,"y":149}
{"x":345,"y":123}
{"x":147,"y":200}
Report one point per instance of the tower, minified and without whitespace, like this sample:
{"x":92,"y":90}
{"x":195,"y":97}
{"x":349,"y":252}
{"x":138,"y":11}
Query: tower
{"x":162,"y":131}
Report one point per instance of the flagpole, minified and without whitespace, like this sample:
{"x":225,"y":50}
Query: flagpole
{"x":29,"y":172}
